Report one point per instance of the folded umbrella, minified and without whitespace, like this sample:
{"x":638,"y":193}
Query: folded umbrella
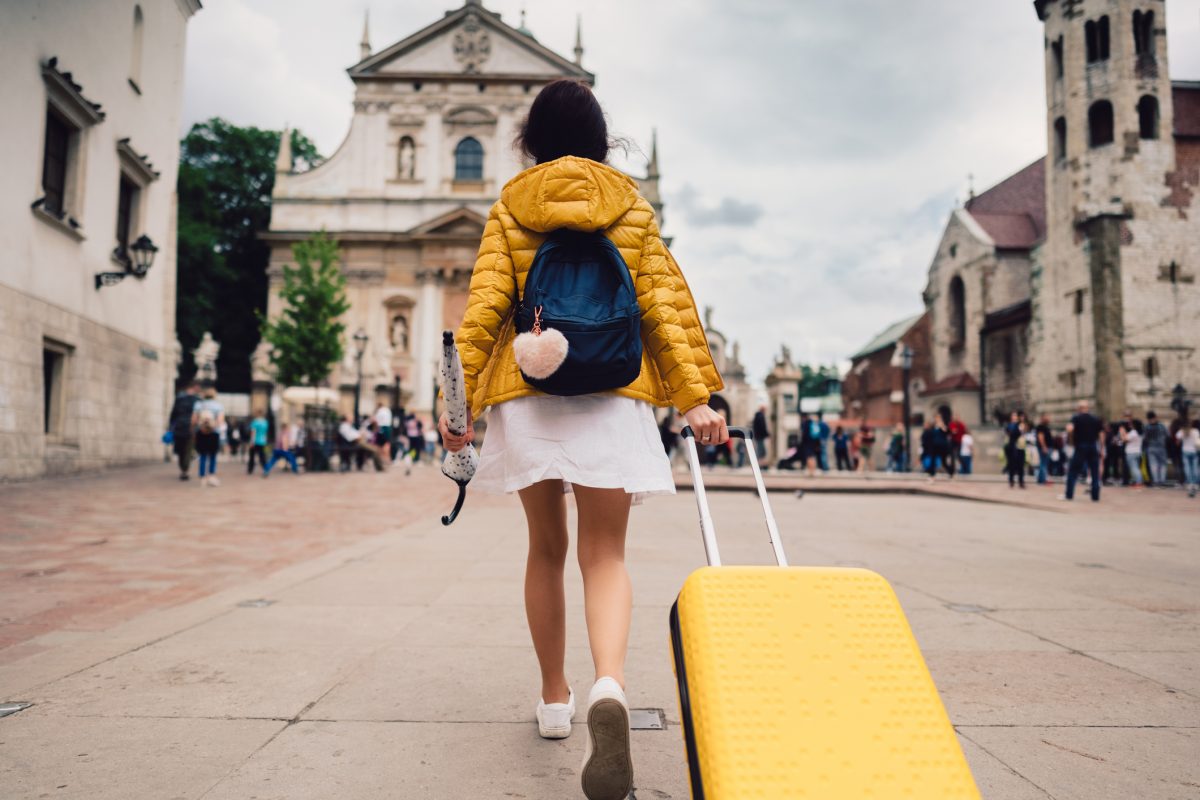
{"x":459,"y":467}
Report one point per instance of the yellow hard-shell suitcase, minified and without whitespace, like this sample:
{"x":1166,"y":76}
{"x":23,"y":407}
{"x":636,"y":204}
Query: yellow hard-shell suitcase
{"x":804,"y":682}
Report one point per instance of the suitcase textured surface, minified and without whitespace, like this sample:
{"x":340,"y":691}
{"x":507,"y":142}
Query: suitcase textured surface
{"x":806,"y":682}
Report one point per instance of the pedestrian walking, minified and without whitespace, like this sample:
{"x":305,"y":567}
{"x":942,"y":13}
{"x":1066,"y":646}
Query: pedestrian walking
{"x":1045,"y":445}
{"x":603,"y":446}
{"x":287,"y":439}
{"x":956,"y":428}
{"x":823,"y":434}
{"x":841,"y":449}
{"x":1131,"y":438}
{"x":180,"y":421}
{"x":1014,"y":450}
{"x":866,"y":443}
{"x":1085,"y":431}
{"x":1188,"y":437}
{"x":235,"y":437}
{"x":810,"y":441}
{"x":208,"y":417}
{"x":1154,"y":445}
{"x":383,"y":420}
{"x":1115,"y":467}
{"x":966,"y":452}
{"x":415,"y":433}
{"x":761,"y":432}
{"x":259,"y":436}
{"x":895,"y":450}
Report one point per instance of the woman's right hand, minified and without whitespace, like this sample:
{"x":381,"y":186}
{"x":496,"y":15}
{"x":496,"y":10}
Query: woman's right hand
{"x":455,"y":442}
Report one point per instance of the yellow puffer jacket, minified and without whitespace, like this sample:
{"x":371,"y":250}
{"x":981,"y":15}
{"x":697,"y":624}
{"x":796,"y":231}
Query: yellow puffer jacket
{"x":576,"y":193}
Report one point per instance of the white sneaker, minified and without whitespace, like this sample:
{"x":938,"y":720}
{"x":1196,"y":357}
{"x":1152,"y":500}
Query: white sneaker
{"x":554,"y":719}
{"x":607,"y":772}
{"x":212,"y":481}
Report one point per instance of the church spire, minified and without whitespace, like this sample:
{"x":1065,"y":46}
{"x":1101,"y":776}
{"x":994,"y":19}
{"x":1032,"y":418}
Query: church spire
{"x":579,"y":39}
{"x":652,"y":167}
{"x":283,"y":161}
{"x":364,"y":47}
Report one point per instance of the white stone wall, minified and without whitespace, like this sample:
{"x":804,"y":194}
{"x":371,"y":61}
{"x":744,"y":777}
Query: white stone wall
{"x":122,"y":336}
{"x":965,"y":251}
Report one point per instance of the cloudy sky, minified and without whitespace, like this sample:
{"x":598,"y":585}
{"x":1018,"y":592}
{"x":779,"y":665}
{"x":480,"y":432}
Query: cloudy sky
{"x":810,"y":150}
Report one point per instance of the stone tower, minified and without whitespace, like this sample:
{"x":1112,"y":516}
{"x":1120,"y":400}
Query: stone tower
{"x":1110,"y":316}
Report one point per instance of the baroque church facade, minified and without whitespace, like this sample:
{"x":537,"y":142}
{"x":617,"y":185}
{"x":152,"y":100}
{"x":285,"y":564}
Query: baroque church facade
{"x":407,"y":193}
{"x":1075,"y":278}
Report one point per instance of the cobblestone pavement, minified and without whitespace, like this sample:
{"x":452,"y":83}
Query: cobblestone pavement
{"x":84,"y":553}
{"x":389,"y":655}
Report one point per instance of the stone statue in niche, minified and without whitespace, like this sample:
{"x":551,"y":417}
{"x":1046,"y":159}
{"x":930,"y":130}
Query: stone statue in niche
{"x":408,"y":158}
{"x":399,"y":337}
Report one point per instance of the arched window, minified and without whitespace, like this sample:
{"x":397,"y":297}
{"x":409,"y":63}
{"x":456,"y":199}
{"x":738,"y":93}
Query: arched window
{"x":958,"y":312}
{"x":1100,"y":123}
{"x":135,"y":56}
{"x":1096,"y":38}
{"x":468,"y":160}
{"x":1147,"y":109}
{"x":1060,"y":139}
{"x":1143,"y":34}
{"x":1056,"y":48}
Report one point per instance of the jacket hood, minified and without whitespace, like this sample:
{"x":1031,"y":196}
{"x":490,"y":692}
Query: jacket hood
{"x":569,"y":192}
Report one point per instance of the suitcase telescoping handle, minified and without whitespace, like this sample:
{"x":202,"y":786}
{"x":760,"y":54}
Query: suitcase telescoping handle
{"x":706,"y":523}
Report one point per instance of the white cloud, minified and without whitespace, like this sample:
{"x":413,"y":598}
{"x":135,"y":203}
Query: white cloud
{"x":839,"y":134}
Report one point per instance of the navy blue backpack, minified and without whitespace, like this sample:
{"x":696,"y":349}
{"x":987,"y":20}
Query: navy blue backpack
{"x":579,"y":285}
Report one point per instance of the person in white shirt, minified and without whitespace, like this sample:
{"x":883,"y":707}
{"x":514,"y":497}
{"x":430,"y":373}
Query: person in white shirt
{"x":383,"y":419}
{"x":1132,"y":438}
{"x":1189,"y":446}
{"x":966,"y":453}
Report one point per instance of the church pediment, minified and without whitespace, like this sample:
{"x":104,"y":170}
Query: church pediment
{"x":470,"y":42}
{"x":462,"y":222}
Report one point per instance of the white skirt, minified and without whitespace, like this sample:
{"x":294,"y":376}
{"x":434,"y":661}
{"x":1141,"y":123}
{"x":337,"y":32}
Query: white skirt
{"x":605,"y":441}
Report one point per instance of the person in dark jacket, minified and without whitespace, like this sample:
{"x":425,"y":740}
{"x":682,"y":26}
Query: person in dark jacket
{"x":180,"y":421}
{"x":761,"y":432}
{"x":1014,"y":450}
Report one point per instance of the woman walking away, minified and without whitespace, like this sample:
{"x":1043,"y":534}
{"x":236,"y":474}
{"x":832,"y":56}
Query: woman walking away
{"x":1014,"y":450}
{"x":602,"y":446}
{"x":966,"y":452}
{"x":209,"y":416}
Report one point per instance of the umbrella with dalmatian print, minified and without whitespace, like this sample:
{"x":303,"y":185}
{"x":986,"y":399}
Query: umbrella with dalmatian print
{"x":459,"y":467}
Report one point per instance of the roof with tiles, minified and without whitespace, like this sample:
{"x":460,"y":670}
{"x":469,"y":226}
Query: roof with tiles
{"x":1013,"y":212}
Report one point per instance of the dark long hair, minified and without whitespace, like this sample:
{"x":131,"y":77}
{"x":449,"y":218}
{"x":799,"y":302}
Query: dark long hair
{"x":565,"y":120}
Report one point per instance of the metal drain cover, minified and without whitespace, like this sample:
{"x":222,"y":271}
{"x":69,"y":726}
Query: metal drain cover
{"x":647,"y":719}
{"x":13,"y":707}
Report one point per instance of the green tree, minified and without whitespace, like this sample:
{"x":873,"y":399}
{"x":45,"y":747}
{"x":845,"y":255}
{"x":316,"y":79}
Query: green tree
{"x":814,"y":381}
{"x":226,"y":174}
{"x":306,"y":336}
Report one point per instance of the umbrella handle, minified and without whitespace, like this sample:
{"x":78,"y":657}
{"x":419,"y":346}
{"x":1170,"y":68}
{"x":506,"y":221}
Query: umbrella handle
{"x":458,"y":504}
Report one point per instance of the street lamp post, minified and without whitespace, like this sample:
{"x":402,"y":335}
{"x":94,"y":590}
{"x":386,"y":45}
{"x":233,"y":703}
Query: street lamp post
{"x":906,"y":359}
{"x":360,"y":348}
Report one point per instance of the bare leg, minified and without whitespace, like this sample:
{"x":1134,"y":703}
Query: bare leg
{"x":545,"y":601}
{"x":607,"y":591}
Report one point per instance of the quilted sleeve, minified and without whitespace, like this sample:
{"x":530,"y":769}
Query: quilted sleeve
{"x":660,"y":287}
{"x":493,"y":289}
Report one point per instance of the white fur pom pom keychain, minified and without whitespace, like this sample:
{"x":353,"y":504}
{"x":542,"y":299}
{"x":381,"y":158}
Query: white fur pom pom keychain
{"x":540,"y":351}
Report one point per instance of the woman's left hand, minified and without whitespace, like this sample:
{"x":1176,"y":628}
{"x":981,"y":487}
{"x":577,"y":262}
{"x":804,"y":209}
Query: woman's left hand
{"x":708,"y":426}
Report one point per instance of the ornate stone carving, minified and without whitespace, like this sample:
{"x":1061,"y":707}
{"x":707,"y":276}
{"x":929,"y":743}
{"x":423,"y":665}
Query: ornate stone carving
{"x":408,"y":157}
{"x":205,"y":357}
{"x":472,"y":45}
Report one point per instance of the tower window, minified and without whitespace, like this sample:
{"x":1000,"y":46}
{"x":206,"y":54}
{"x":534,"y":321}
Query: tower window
{"x":1078,"y":302}
{"x":54,"y":162}
{"x":1143,"y":33}
{"x":1096,"y":37}
{"x":468,"y":160}
{"x":135,"y":57}
{"x":1147,"y":109}
{"x":1060,"y":139}
{"x":1056,"y":49}
{"x":1100,"y":123}
{"x":958,"y":313}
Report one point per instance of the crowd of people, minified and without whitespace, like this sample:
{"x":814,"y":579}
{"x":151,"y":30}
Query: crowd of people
{"x":1128,"y":452}
{"x":200,"y":430}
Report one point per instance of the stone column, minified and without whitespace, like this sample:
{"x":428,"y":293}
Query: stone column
{"x":428,"y":335}
{"x":434,"y":145}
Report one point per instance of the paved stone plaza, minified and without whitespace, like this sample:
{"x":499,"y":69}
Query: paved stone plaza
{"x":391,"y":658}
